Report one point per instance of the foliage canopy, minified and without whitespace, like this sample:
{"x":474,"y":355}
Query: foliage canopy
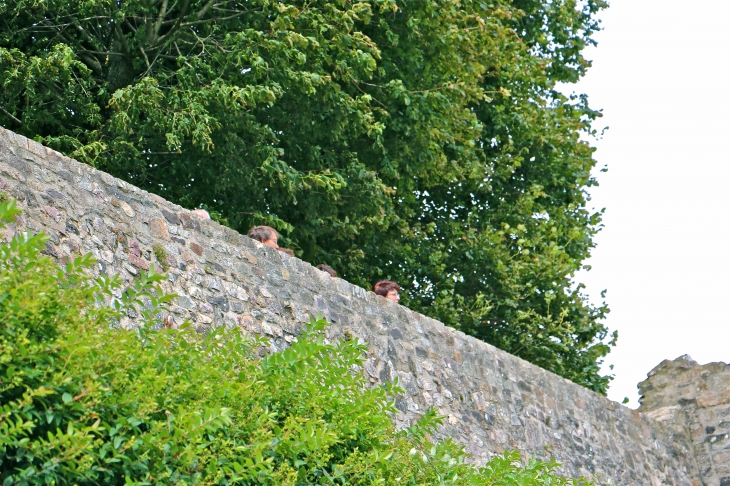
{"x":84,"y":403}
{"x":421,"y":141}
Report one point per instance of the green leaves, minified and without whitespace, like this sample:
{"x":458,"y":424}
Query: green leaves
{"x":389,"y":139}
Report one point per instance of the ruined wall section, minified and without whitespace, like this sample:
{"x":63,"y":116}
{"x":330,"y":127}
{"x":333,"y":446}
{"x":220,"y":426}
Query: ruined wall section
{"x":693,"y":401}
{"x":492,"y":401}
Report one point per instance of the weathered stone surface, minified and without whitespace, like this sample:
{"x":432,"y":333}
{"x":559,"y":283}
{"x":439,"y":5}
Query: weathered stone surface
{"x":139,"y":262}
{"x":492,"y":401}
{"x":53,"y":212}
{"x":693,"y":402}
{"x":171,"y":217}
{"x":196,"y":248}
{"x":158,"y":229}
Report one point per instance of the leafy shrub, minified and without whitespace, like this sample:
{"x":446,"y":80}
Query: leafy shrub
{"x":84,"y":402}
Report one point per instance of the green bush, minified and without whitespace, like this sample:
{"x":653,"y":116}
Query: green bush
{"x":84,"y":402}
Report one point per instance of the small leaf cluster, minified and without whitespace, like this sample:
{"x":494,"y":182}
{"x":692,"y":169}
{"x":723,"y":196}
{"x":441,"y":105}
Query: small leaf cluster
{"x":161,"y":255}
{"x":84,"y":402}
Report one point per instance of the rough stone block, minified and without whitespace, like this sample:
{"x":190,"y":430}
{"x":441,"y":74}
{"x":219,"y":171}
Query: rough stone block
{"x":139,"y":262}
{"x":158,"y":229}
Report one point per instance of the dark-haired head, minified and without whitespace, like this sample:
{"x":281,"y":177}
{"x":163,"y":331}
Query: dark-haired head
{"x":389,"y":290}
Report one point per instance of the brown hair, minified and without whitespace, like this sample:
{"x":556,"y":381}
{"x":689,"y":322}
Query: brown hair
{"x":327,"y":269}
{"x":288,"y":251}
{"x":384,"y":286}
{"x":262,"y":233}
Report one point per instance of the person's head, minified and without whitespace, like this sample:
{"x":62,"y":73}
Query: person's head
{"x":288,"y":251}
{"x":389,"y":290}
{"x":201,"y":213}
{"x":327,"y":269}
{"x":266,"y":235}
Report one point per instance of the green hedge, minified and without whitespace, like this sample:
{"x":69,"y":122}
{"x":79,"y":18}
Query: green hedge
{"x":83,"y":402}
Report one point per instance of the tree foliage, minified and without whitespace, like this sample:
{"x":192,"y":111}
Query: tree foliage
{"x":422,"y":141}
{"x":84,"y":403}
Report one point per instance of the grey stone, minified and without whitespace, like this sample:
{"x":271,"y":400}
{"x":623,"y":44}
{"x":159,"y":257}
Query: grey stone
{"x":220,"y":302}
{"x":237,"y":307}
{"x":396,"y":333}
{"x":54,"y":194}
{"x":186,"y":302}
{"x":492,"y":401}
{"x":171,"y":217}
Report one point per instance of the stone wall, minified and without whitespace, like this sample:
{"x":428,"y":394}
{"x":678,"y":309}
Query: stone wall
{"x":492,"y":401}
{"x":693,"y":402}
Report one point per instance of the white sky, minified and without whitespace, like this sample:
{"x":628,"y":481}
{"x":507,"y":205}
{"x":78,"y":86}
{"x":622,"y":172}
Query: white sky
{"x":660,"y":76}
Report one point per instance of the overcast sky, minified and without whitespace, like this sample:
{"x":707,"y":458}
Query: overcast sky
{"x":660,"y":76}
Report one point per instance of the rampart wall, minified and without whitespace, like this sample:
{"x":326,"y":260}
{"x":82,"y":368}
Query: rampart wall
{"x":492,"y":400}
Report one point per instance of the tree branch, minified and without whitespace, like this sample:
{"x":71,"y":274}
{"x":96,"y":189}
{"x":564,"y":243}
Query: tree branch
{"x":67,"y":24}
{"x":197,"y":22}
{"x":147,"y":61}
{"x":211,"y":19}
{"x":120,"y":37}
{"x":9,"y":115}
{"x":129,"y":24}
{"x":83,"y":32}
{"x":149,"y":66}
{"x":92,"y":62}
{"x":160,"y":18}
{"x":102,"y":53}
{"x":204,"y":10}
{"x":164,"y":38}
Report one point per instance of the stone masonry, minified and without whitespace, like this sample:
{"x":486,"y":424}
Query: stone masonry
{"x":492,"y":400}
{"x":693,"y":402}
